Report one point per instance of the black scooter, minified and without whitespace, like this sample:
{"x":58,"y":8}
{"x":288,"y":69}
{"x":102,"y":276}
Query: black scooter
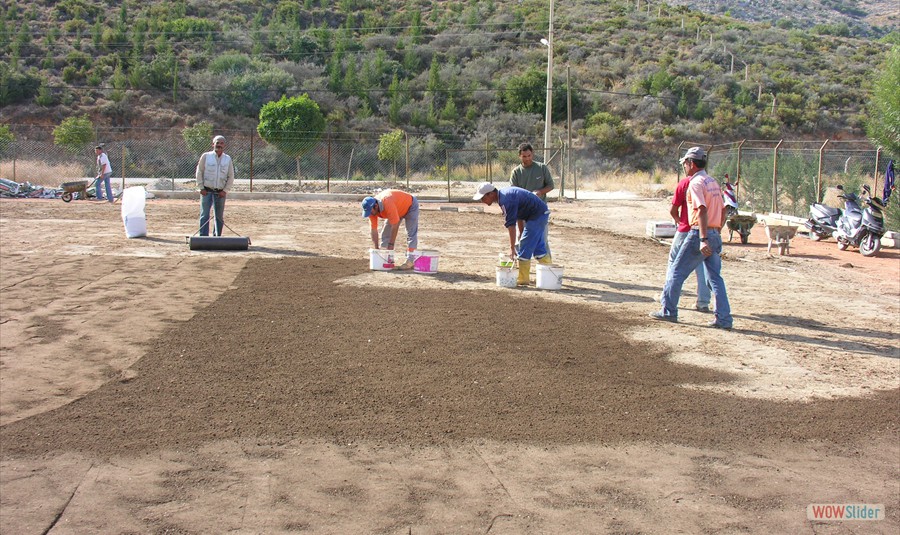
{"x":858,"y":226}
{"x":823,"y":220}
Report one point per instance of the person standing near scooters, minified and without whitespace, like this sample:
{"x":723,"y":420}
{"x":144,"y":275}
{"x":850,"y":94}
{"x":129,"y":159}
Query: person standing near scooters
{"x":679,"y":213}
{"x":104,"y":174}
{"x":703,"y":243}
{"x":214,"y":175}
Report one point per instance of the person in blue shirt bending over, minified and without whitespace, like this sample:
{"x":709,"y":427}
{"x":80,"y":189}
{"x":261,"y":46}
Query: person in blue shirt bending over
{"x":519,"y":204}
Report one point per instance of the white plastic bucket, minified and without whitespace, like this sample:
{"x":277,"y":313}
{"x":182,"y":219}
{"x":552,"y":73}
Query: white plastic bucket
{"x":504,"y":261}
{"x":426,"y":262}
{"x":506,"y":277}
{"x":381,"y":259}
{"x":549,"y":276}
{"x":133,"y":200}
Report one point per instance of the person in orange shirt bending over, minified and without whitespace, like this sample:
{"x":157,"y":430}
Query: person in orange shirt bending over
{"x":394,"y":205}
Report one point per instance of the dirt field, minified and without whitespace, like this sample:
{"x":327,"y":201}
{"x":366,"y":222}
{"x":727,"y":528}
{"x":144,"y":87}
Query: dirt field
{"x":147,"y":388}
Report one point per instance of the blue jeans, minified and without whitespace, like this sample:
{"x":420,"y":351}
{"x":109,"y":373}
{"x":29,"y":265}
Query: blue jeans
{"x":703,"y":294}
{"x":687,"y":260}
{"x":206,"y":202}
{"x":104,"y":179}
{"x":532,"y":242}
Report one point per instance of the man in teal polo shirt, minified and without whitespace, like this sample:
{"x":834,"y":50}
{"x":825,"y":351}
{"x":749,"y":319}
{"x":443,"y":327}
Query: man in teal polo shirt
{"x":534,"y":177}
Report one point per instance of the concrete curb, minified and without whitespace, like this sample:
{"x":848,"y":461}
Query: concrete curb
{"x":289,"y":197}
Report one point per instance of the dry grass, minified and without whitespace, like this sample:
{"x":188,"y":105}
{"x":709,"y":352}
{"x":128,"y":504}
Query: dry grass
{"x":40,"y":173}
{"x":641,"y":183}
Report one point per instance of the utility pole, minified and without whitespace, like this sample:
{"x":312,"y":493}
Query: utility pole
{"x":549,"y":104}
{"x":568,"y":165}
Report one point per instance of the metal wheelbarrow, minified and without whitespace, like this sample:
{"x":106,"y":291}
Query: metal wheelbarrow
{"x":77,"y":189}
{"x":742,"y":225}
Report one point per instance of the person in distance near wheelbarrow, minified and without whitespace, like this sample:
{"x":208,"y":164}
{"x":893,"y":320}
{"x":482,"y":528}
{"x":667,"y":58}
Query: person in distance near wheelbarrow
{"x":394,"y":205}
{"x":215,"y":175}
{"x":517,"y":205}
{"x":104,"y":172}
{"x":703,"y":243}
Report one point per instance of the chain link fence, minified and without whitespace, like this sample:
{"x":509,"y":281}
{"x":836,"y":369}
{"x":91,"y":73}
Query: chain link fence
{"x":787,"y":176}
{"x":773,"y":176}
{"x":164,"y":161}
{"x":335,"y":164}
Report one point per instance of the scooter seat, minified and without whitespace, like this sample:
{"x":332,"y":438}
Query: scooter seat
{"x":822,"y":210}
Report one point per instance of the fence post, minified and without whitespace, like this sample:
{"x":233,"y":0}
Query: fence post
{"x":328,"y":166}
{"x":877,"y":161}
{"x":737,"y":172}
{"x":14,"y":161}
{"x":677,"y":156}
{"x":251,"y":160}
{"x":574,"y":170}
{"x":407,"y":158}
{"x":123,"y":171}
{"x":775,"y":179}
{"x":487,"y":160}
{"x":819,"y":176}
{"x":448,"y":175}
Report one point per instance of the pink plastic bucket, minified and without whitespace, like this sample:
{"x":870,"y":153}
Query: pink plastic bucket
{"x":426,"y":262}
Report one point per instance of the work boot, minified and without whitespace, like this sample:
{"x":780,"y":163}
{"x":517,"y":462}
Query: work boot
{"x":405,"y":266}
{"x":524,"y":272}
{"x":545,"y":259}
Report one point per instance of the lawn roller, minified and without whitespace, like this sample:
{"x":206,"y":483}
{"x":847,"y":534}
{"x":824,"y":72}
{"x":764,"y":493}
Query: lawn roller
{"x":218,"y":243}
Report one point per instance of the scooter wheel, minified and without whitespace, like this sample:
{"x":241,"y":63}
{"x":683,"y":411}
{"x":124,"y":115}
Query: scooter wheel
{"x":67,"y":197}
{"x":842,"y":246}
{"x":815,"y":237}
{"x":870,"y":245}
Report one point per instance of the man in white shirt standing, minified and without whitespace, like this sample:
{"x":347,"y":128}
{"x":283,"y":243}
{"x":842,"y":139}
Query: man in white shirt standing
{"x":215,"y":175}
{"x":104,"y":174}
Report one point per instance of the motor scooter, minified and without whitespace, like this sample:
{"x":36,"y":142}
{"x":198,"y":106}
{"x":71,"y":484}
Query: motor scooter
{"x":822,"y":220}
{"x":858,"y":226}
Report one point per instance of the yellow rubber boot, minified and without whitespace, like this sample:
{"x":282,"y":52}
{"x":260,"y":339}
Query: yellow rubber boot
{"x":524,"y":273}
{"x":545,"y":259}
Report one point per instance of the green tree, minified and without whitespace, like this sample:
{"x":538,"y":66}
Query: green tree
{"x":610,"y":133}
{"x":390,"y":147}
{"x":883,"y":125}
{"x":526,"y":93}
{"x":6,"y":138}
{"x":198,"y":137}
{"x":294,"y":125}
{"x":397,"y":100}
{"x":16,"y":86}
{"x":74,"y":133}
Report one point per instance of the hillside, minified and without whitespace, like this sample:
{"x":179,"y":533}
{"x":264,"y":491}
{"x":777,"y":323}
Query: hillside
{"x":860,"y":18}
{"x":463,"y":73}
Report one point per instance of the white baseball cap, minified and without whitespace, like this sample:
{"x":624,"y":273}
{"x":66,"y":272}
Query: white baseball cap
{"x":483,"y":189}
{"x":693,"y":153}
